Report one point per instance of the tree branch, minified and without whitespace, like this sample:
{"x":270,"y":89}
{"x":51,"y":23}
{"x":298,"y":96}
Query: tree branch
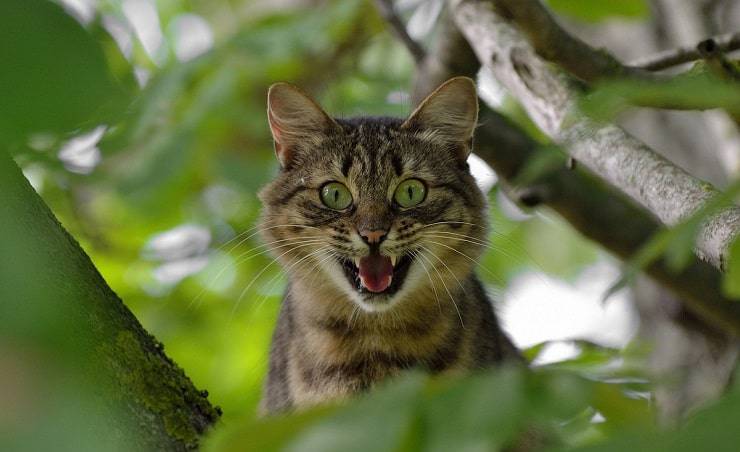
{"x":716,"y":60}
{"x":594,"y":209}
{"x":664,"y":189}
{"x":141,"y":396}
{"x":669,"y":58}
{"x":555,"y":44}
{"x":386,"y":9}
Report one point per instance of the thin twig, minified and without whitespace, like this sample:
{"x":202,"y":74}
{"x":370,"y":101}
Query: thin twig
{"x":717,"y":61}
{"x":673,"y":57}
{"x":386,"y":9}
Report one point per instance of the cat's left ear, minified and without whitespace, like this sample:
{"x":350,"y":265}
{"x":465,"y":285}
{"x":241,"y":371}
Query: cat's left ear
{"x":295,"y":120}
{"x":450,"y":113}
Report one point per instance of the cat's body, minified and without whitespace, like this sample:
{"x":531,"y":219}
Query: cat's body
{"x":378,"y":224}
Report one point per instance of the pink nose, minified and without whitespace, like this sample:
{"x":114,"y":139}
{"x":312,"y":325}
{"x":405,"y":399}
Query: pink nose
{"x":375,"y":236}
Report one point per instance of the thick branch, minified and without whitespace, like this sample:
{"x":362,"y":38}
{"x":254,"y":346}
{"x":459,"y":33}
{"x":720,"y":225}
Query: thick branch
{"x":553,"y":43}
{"x":594,"y":209}
{"x":664,"y":189}
{"x":74,"y":320}
{"x":669,"y":58}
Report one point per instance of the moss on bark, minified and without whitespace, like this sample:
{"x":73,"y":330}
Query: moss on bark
{"x":54,"y":298}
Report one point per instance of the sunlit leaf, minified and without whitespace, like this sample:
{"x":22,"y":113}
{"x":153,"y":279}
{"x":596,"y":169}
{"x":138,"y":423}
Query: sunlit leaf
{"x":731,"y":281}
{"x":695,"y":91}
{"x":598,"y":10}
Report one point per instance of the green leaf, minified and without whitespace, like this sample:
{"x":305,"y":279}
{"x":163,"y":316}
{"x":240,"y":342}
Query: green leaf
{"x":530,"y":353}
{"x":598,"y":10}
{"x":374,"y":424}
{"x":545,"y":161}
{"x":485,"y":411}
{"x":677,"y":243}
{"x":54,"y":77}
{"x":694,"y":91}
{"x":713,"y":428}
{"x":731,"y":281}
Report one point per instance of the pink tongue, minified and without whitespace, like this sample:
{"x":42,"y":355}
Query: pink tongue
{"x":376,"y":272}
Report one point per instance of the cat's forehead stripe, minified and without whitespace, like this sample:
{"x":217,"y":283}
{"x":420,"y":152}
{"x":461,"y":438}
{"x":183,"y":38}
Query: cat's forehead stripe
{"x":347,"y":164}
{"x":397,"y":164}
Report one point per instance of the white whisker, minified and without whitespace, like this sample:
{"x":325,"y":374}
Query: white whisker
{"x":241,"y":295}
{"x":452,"y":299}
{"x":431,"y":283}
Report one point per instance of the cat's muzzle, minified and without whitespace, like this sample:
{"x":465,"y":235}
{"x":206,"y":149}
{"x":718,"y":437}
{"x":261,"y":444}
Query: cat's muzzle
{"x":370,"y":284}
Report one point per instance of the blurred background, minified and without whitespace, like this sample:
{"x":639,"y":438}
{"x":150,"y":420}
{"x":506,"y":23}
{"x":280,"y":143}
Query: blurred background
{"x":159,"y":183}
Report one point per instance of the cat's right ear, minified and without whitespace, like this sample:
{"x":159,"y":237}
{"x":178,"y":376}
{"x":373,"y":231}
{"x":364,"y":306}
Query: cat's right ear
{"x":295,"y":119}
{"x":450,"y":113}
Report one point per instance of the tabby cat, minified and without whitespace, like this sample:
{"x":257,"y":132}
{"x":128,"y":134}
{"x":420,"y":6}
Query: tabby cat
{"x":378,"y":224}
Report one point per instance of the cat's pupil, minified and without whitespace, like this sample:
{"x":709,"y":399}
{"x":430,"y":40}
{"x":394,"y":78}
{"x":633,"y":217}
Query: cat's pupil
{"x":411,"y":192}
{"x":336,"y":195}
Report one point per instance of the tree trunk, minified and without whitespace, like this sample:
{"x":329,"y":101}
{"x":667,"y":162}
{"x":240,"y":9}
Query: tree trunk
{"x":63,"y":329}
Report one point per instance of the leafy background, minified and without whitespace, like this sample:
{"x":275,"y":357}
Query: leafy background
{"x":142,"y":125}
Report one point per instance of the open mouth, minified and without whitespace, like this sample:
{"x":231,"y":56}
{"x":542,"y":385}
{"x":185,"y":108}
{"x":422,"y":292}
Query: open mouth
{"x":377,"y":274}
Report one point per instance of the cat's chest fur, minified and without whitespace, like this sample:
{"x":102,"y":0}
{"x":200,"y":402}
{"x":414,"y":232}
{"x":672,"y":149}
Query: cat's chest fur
{"x":322,"y":352}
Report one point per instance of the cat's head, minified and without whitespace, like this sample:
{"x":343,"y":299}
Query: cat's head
{"x":378,"y":207}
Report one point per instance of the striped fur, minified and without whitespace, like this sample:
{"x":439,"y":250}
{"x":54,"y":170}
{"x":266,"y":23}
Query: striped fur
{"x":331,"y":340}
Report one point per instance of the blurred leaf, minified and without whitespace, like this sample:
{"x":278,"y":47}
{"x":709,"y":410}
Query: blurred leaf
{"x":620,"y":409}
{"x":676,"y":243}
{"x":693,"y":91}
{"x":55,"y":77}
{"x":713,"y":428}
{"x":546,"y":160}
{"x":598,"y":10}
{"x":271,"y":434}
{"x":486,"y":411}
{"x":373,"y":424}
{"x":731,"y":281}
{"x":530,"y":353}
{"x":591,"y":359}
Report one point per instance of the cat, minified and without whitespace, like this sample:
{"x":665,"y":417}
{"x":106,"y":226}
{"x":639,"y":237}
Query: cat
{"x":378,"y":224}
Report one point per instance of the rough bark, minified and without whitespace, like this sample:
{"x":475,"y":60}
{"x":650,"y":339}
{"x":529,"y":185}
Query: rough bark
{"x":549,"y":97}
{"x":692,"y":357}
{"x":691,"y":362}
{"x":553,"y":43}
{"x":52,"y":296}
{"x":596,"y":210}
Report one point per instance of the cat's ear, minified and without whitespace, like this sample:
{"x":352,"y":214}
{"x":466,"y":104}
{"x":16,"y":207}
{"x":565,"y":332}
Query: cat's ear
{"x":294,"y":119}
{"x":450,"y":113}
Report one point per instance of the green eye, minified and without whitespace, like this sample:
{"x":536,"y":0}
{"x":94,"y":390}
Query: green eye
{"x":336,"y":196}
{"x":410,"y":193}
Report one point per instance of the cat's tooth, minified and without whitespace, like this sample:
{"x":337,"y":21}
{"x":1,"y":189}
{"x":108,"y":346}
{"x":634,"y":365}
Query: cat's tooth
{"x":357,"y":262}
{"x":393,"y":260}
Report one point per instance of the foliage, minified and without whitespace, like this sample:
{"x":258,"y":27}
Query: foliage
{"x":732,"y":279}
{"x":697,"y":90}
{"x":168,"y":217}
{"x":599,"y":10}
{"x":58,"y":84}
{"x":676,"y":244}
{"x":488,"y":411}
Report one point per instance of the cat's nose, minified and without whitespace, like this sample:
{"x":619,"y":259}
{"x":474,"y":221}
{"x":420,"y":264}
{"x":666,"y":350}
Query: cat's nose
{"x":373,"y":236}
